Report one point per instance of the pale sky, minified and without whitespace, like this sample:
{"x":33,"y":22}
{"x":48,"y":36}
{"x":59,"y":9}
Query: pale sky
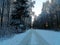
{"x":38,"y":6}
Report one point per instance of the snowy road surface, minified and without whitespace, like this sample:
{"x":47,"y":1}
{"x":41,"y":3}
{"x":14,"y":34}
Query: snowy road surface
{"x":34,"y":37}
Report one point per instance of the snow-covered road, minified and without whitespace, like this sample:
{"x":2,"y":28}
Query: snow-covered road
{"x":34,"y":37}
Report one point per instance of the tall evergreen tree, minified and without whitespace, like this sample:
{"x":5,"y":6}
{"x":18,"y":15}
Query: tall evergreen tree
{"x":21,"y":10}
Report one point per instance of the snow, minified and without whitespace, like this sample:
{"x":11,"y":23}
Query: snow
{"x":34,"y":37}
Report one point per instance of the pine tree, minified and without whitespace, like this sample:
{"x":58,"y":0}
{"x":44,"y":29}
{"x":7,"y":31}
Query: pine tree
{"x":21,"y":11}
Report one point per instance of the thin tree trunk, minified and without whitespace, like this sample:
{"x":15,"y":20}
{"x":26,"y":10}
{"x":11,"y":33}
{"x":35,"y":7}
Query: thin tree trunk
{"x":2,"y":13}
{"x":8,"y":11}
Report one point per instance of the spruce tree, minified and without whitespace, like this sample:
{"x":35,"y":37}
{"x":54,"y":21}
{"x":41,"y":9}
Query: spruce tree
{"x":21,"y":10}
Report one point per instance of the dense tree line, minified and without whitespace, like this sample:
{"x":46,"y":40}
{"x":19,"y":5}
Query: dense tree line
{"x":49,"y":20}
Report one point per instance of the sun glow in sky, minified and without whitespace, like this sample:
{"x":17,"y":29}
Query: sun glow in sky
{"x":38,"y":6}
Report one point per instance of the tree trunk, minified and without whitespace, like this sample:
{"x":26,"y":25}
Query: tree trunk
{"x":8,"y":11}
{"x":2,"y":13}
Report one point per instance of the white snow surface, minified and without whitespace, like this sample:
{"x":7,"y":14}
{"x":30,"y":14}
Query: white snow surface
{"x":34,"y":37}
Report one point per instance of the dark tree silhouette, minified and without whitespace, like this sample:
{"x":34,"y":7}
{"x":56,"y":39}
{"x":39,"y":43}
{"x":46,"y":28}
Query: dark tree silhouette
{"x":20,"y":12}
